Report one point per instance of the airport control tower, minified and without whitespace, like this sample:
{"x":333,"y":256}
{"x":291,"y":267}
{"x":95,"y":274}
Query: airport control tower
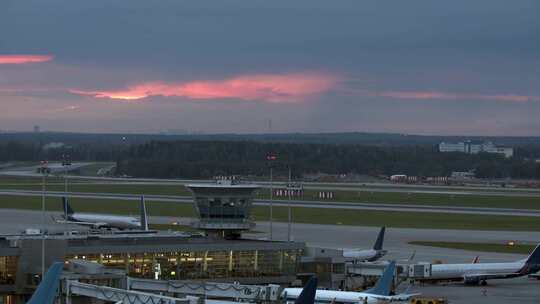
{"x":223,"y":207}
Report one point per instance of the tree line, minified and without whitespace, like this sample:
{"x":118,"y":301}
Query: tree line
{"x":197,"y":159}
{"x":205,"y":159}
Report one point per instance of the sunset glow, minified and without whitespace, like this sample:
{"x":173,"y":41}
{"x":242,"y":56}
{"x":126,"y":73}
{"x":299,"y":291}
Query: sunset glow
{"x":24,"y":59}
{"x":265,"y":87}
{"x":433,"y":95}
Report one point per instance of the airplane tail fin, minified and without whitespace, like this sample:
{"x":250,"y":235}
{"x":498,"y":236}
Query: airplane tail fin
{"x":380,"y":239}
{"x":412,"y":256}
{"x":384,"y":284}
{"x":307,"y":296}
{"x":534,"y":257}
{"x":476,"y":260}
{"x":144,"y":215}
{"x":48,"y":288}
{"x":67,"y":207}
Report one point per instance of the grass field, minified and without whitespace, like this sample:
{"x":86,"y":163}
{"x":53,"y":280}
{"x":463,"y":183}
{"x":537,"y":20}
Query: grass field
{"x":518,"y":202}
{"x":483,"y":247}
{"x":108,"y":188}
{"x":300,"y":215}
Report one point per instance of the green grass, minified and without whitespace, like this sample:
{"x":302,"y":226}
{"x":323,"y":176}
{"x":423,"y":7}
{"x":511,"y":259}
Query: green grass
{"x":106,"y":188}
{"x":483,"y":247}
{"x":518,"y":202}
{"x":300,"y":215}
{"x":98,"y":205}
{"x":493,"y":201}
{"x":15,"y":180}
{"x":402,"y":219}
{"x":55,"y":183}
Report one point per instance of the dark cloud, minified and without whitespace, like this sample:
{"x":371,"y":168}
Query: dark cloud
{"x":459,"y":48}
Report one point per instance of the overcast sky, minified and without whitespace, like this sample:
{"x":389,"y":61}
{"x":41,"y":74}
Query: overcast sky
{"x":422,"y":67}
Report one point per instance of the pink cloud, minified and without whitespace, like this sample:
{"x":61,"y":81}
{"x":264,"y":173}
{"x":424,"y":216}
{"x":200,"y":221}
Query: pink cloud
{"x":267,"y":87}
{"x":24,"y":59}
{"x":423,"y":95}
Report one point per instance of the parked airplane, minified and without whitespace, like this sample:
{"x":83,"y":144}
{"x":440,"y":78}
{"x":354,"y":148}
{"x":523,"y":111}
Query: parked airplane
{"x":369,"y":255}
{"x":379,"y":293}
{"x":48,"y":288}
{"x":479,"y":273}
{"x":104,"y":220}
{"x":307,"y":296}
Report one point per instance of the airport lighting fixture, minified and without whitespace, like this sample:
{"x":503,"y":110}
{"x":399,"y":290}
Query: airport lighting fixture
{"x":66,"y":161}
{"x":270,"y":157}
{"x":44,"y":170}
{"x":289,"y":206}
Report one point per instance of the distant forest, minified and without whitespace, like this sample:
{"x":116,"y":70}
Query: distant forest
{"x":170,"y":157}
{"x":371,"y":139}
{"x":207,"y":159}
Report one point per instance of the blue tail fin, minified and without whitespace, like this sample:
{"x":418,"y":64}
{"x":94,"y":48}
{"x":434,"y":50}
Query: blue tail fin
{"x":67,"y":207}
{"x":534,"y":257}
{"x":384,"y":284}
{"x":48,"y":288}
{"x":380,"y":239}
{"x":307,"y":296}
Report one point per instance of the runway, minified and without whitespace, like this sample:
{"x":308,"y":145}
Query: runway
{"x":480,"y":190}
{"x":397,"y":207}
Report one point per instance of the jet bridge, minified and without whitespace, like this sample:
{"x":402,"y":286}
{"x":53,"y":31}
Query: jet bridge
{"x":235,"y":292}
{"x":121,"y":296}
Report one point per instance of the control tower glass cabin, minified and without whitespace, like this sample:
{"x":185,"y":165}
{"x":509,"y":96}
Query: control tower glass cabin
{"x":223,"y":207}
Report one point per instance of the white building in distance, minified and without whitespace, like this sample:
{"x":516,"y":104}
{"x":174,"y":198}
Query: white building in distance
{"x":470,"y":147}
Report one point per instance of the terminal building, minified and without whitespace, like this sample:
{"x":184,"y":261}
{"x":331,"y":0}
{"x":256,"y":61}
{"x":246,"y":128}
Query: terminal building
{"x":218,"y":254}
{"x":471,"y":147}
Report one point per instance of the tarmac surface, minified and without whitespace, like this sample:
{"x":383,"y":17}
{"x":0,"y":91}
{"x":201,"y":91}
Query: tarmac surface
{"x":519,"y":290}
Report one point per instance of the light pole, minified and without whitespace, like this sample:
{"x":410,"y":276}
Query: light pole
{"x":66,"y":161}
{"x":271,"y":157}
{"x":65,"y":164}
{"x":44,"y":170}
{"x":289,"y":207}
{"x":271,"y":202}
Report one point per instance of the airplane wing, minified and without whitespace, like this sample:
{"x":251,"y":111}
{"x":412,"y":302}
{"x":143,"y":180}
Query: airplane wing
{"x":48,"y":288}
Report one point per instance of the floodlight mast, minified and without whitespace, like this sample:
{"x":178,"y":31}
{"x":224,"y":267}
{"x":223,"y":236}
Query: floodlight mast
{"x":44,"y":170}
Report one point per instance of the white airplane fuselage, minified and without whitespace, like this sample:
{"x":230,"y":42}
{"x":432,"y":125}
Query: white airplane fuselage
{"x":464,"y":271}
{"x":104,"y":220}
{"x":369,"y":255}
{"x":330,"y":296}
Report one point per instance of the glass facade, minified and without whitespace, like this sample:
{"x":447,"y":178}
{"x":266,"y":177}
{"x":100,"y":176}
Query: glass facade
{"x":230,"y":208}
{"x":8,"y":269}
{"x":223,"y":204}
{"x":184,"y":265}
